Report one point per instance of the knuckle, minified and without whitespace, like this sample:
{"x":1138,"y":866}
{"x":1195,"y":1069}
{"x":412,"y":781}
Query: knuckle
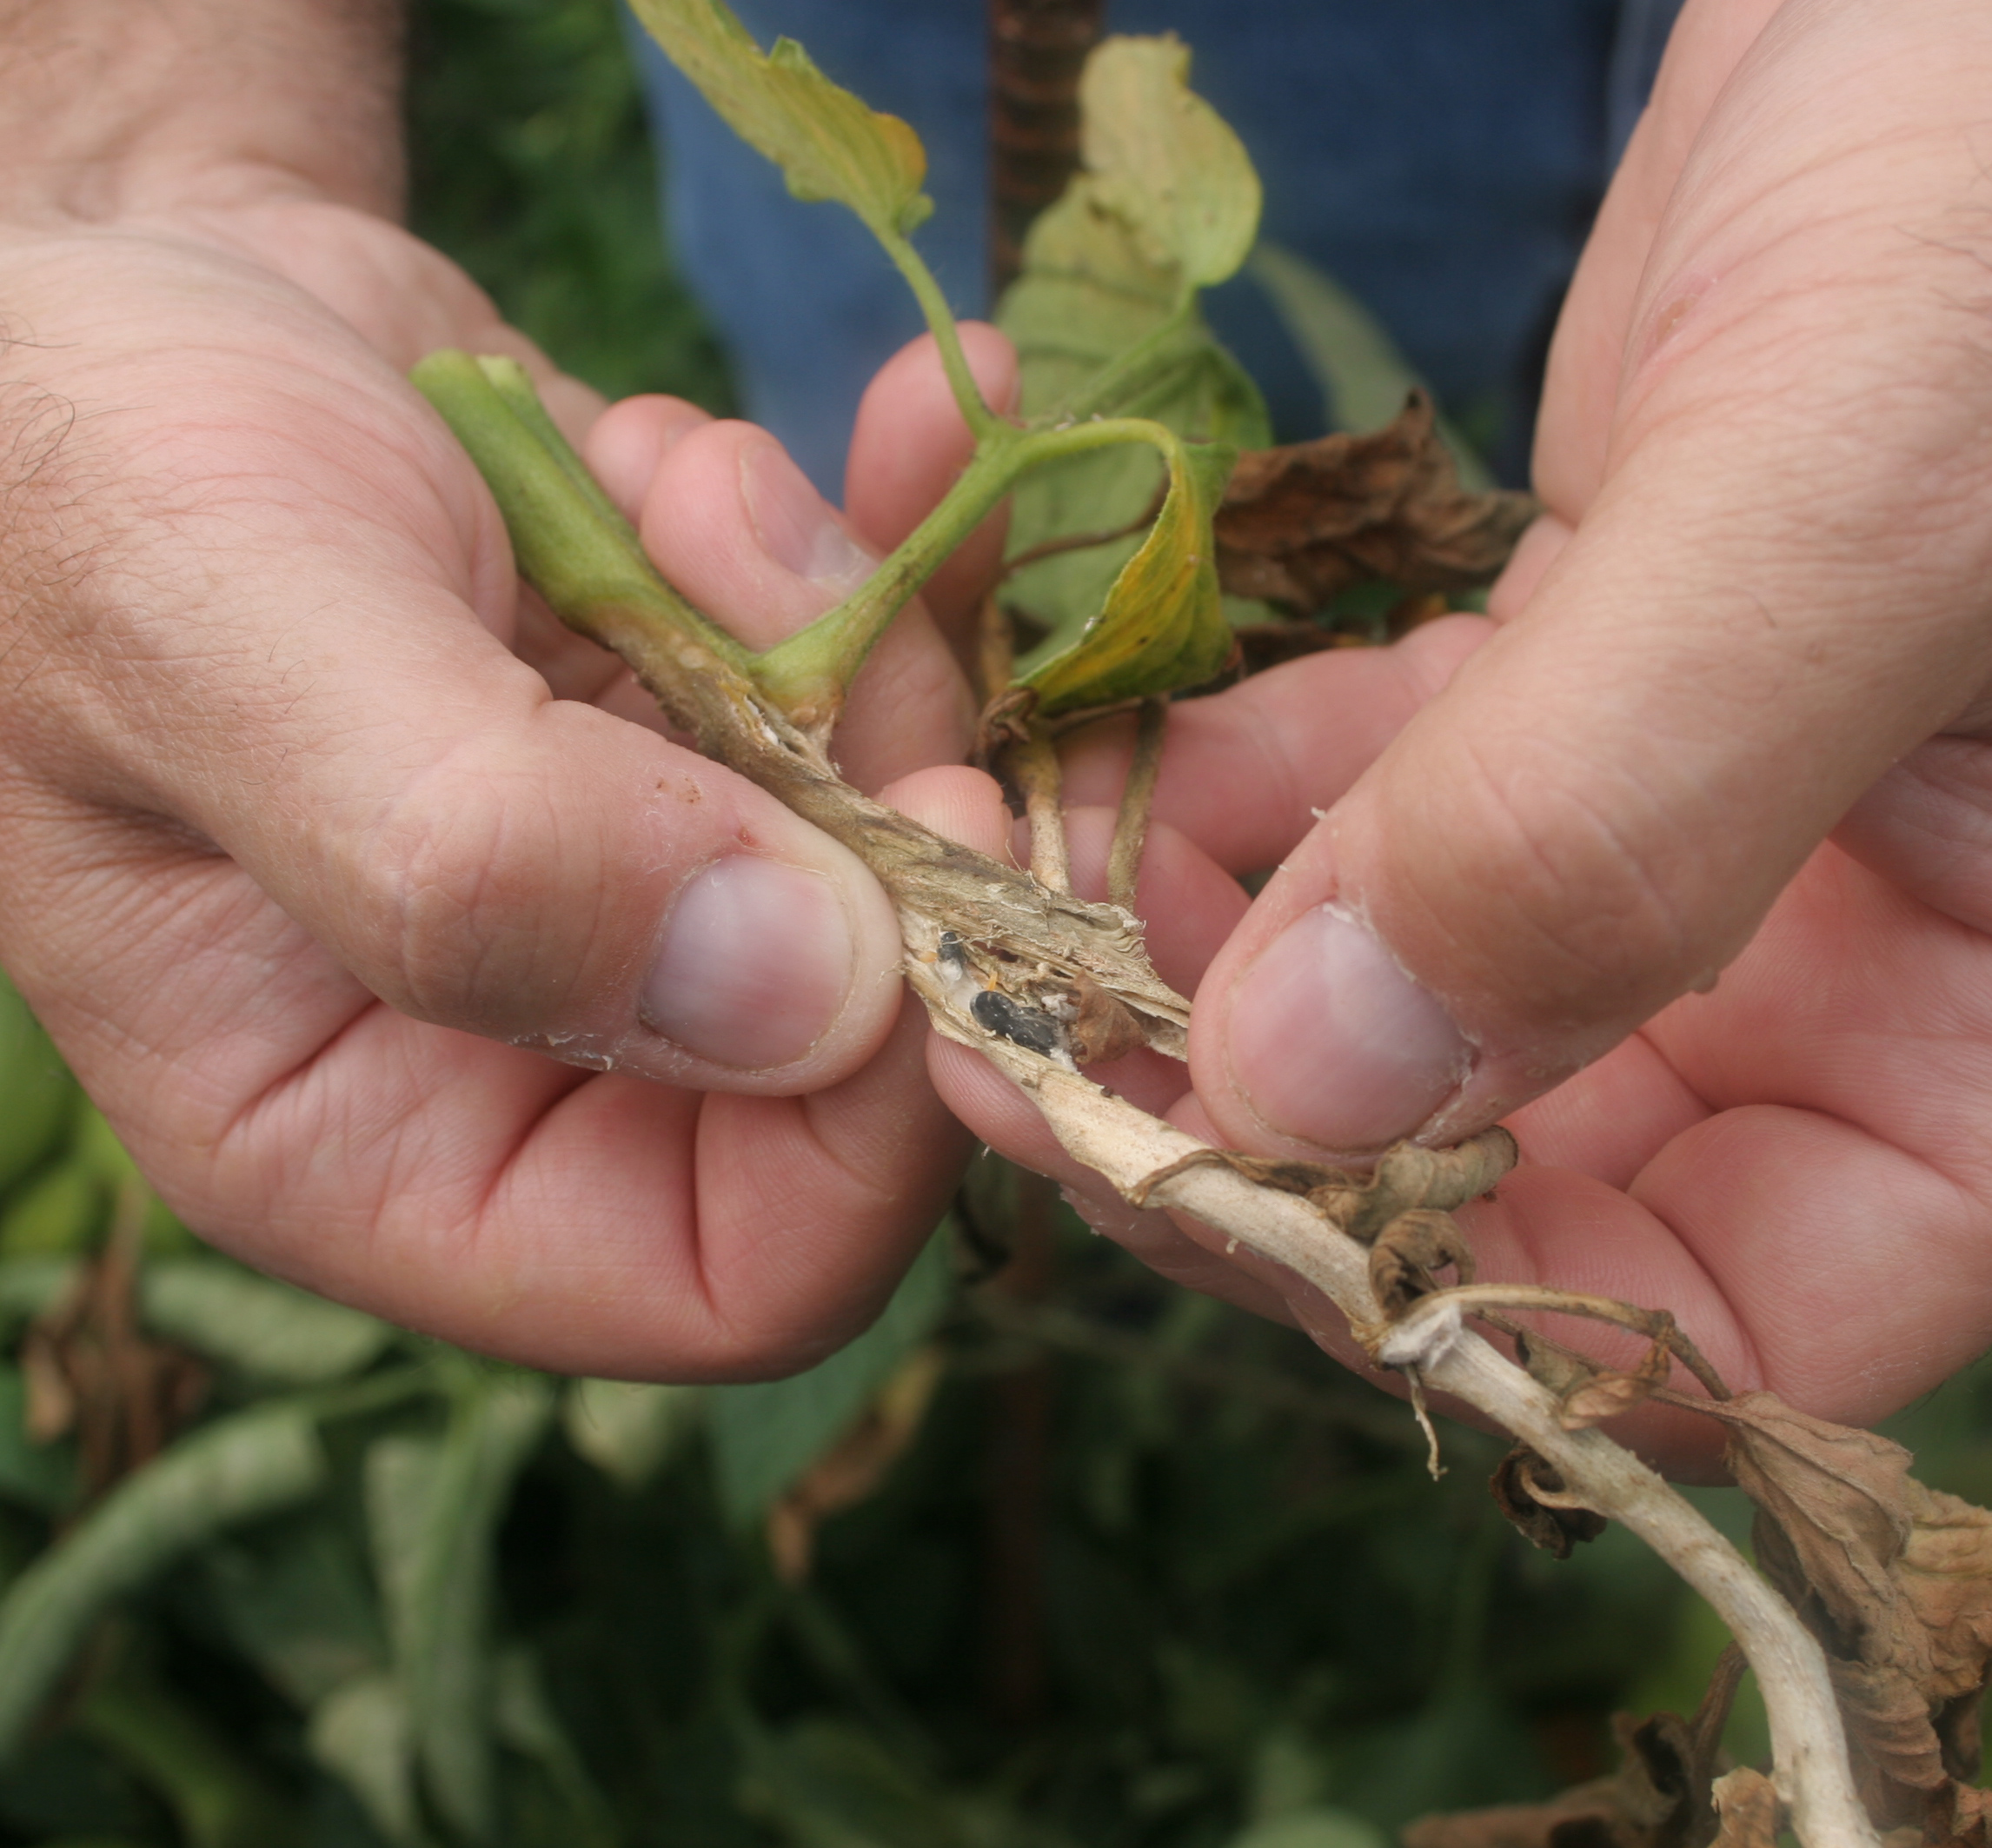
{"x":475,"y":898}
{"x":1566,"y":887}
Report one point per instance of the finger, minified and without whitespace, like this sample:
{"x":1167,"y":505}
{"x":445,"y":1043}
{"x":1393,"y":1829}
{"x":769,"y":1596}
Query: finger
{"x":1708,"y":42}
{"x":908,"y":445}
{"x":1195,"y":907}
{"x":737,"y":527}
{"x":582,"y":1222}
{"x":1246,"y":772}
{"x":625,"y":446}
{"x":1772,"y":598}
{"x":478,"y":854}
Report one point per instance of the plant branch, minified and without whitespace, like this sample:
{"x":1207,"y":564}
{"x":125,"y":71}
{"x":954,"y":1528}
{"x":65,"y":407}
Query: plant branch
{"x":1137,"y":798}
{"x":1034,"y":763}
{"x":974,"y":406}
{"x":1011,"y":970}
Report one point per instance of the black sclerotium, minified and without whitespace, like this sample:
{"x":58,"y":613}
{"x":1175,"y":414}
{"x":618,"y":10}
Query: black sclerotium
{"x":1009,"y":1019}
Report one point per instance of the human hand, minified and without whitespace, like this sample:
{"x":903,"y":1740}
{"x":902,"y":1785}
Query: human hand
{"x":1754,"y":619}
{"x":320,"y":835}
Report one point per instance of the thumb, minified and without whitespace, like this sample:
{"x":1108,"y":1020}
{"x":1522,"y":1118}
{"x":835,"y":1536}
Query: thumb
{"x":1773,"y":595}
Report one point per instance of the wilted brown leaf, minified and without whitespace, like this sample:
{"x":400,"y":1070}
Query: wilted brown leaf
{"x":1894,"y":1578}
{"x":1408,"y":1253}
{"x":1514,"y":1483}
{"x":1301,"y":522}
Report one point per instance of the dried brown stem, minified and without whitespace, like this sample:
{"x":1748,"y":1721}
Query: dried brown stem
{"x":1137,"y":799}
{"x":1655,"y":1323}
{"x":1037,"y":946}
{"x":1034,"y":765}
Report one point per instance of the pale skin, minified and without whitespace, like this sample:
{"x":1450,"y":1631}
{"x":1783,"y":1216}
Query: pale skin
{"x":282,"y":763}
{"x":1727,"y":719}
{"x":319,"y":836}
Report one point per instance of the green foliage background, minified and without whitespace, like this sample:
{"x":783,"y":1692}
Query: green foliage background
{"x":1151,"y":1574}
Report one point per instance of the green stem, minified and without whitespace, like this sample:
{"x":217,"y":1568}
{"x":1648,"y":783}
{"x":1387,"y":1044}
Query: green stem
{"x":808,"y":673}
{"x":569,"y":540}
{"x":981,"y":421}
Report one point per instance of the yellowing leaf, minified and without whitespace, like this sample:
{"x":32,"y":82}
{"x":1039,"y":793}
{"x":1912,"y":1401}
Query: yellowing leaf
{"x":1163,"y":625}
{"x":828,"y":145}
{"x":1166,"y":162}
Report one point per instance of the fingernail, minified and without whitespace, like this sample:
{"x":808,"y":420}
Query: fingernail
{"x":1332,"y":1043}
{"x":754,"y":965}
{"x":794,"y":524}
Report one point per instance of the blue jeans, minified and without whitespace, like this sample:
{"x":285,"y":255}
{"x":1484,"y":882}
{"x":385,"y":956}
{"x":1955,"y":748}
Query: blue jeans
{"x":1442,"y":159}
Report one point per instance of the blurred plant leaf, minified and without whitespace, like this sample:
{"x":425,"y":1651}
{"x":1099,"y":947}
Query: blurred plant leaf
{"x":1312,"y":1828}
{"x":260,"y":1328}
{"x":295,"y":1600}
{"x":57,"y":1213}
{"x":1103,"y":277}
{"x":219,"y":1798}
{"x":37,"y":1095}
{"x":765,"y":1436}
{"x":363,"y":1733}
{"x":1163,"y":161}
{"x":1163,"y":623}
{"x":526,"y":1721}
{"x":41,"y":1476}
{"x":433,"y":1507}
{"x":232,"y":1470}
{"x":1364,"y":377}
{"x":825,"y":1785}
{"x":627,"y":1429}
{"x":855,"y":1465}
{"x":828,"y":145}
{"x":1302,"y":522}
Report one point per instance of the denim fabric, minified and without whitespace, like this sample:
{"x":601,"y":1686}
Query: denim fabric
{"x":1442,"y":158}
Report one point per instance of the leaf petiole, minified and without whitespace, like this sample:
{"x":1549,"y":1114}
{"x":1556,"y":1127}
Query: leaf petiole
{"x":808,"y":673}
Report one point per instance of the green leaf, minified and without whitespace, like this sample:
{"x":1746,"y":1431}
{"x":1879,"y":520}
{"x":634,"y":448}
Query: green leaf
{"x":765,"y":1437}
{"x":363,"y":1735}
{"x":219,"y":1796}
{"x":1312,"y":1828}
{"x":824,"y":1784}
{"x":626,"y":1429}
{"x":433,"y":1506}
{"x":296,"y":1600}
{"x":1104,"y":319}
{"x":265,"y":1329}
{"x":232,"y":1470}
{"x":1165,"y":161}
{"x":57,"y":1213}
{"x":527,"y":1723}
{"x":1363,"y":375}
{"x":828,"y":145}
{"x":37,"y":1095}
{"x":1163,"y":625}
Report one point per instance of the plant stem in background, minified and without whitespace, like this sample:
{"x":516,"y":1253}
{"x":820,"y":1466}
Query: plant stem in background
{"x":1037,"y":50}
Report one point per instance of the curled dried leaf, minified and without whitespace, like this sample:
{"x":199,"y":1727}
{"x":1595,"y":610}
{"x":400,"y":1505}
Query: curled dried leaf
{"x":1302,"y":522}
{"x":1519,"y":1482}
{"x":1605,"y":1395}
{"x":1408,"y":1253}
